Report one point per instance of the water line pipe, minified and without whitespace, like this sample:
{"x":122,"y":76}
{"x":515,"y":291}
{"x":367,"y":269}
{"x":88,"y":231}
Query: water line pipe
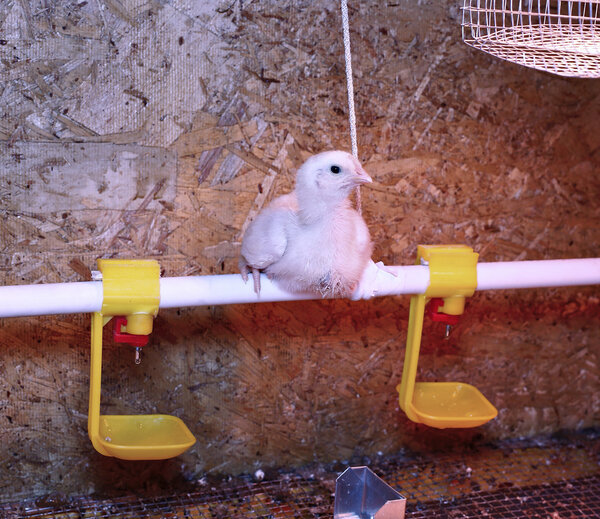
{"x":86,"y":296}
{"x":538,"y":274}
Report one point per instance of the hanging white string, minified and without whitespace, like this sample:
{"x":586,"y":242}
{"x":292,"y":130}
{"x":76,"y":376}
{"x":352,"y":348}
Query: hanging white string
{"x":350,"y":88}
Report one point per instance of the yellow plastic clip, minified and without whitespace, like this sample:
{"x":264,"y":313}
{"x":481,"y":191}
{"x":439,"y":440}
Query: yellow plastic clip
{"x":453,"y":276}
{"x":130,"y":288}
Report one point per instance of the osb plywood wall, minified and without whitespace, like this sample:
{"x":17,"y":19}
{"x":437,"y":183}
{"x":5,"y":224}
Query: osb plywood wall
{"x":158,"y":128}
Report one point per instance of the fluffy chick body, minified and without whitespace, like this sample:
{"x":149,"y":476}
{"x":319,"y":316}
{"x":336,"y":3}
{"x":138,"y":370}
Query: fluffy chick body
{"x":312,"y":240}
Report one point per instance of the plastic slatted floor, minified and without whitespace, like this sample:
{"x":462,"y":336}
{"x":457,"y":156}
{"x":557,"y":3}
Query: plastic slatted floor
{"x":550,"y":479}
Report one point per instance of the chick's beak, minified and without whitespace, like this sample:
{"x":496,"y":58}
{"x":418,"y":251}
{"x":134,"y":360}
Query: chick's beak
{"x":362,"y":177}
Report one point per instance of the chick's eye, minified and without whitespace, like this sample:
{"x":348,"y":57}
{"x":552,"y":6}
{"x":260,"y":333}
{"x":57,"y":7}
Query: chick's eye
{"x":335,"y":169}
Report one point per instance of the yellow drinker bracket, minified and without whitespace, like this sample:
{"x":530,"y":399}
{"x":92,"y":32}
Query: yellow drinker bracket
{"x":131,"y":288}
{"x":453,"y":277}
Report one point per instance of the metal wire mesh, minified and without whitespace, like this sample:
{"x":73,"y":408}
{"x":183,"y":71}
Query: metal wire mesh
{"x":555,"y":479}
{"x":557,"y":36}
{"x":562,"y":500}
{"x":289,"y":497}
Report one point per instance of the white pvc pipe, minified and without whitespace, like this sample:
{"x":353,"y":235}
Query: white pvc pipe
{"x":227,"y":289}
{"x":85,"y":297}
{"x":542,"y":273}
{"x":51,"y":298}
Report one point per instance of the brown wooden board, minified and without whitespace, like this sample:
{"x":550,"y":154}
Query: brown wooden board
{"x":159,"y":129}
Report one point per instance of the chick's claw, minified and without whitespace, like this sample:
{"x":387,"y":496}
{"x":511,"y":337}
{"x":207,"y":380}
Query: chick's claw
{"x":244,"y":272}
{"x":256,"y":278}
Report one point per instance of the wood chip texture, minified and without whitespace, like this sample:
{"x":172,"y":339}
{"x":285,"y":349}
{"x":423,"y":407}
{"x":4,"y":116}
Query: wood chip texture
{"x":158,"y":129}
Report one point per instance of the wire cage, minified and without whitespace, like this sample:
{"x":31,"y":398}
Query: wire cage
{"x":557,"y":36}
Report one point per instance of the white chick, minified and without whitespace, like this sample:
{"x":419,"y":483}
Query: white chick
{"x":312,"y":240}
